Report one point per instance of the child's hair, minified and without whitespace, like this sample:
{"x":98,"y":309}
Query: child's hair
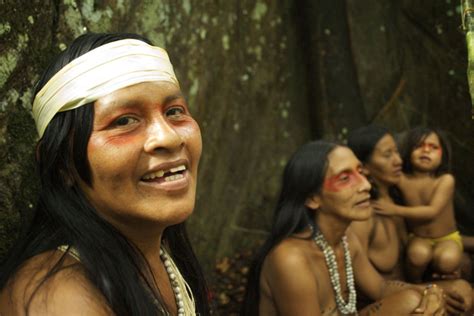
{"x":417,"y":135}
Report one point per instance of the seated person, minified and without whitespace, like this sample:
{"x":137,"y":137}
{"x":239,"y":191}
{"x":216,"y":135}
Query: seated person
{"x":310,"y":263}
{"x":428,"y":190}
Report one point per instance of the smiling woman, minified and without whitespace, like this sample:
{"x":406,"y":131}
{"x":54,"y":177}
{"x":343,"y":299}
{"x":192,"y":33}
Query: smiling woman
{"x":118,"y":158}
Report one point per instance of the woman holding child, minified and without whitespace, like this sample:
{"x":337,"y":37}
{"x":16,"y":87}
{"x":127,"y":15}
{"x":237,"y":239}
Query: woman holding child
{"x":384,"y":235}
{"x":311,"y":264}
{"x":428,"y":191}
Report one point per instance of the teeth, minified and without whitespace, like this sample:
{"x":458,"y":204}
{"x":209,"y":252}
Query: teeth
{"x":154,"y":175}
{"x":174,"y":177}
{"x":160,"y":173}
{"x":179,"y":168}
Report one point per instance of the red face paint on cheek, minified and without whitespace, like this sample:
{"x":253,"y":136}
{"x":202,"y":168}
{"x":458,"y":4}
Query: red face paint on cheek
{"x":342,"y":181}
{"x":430,"y":147}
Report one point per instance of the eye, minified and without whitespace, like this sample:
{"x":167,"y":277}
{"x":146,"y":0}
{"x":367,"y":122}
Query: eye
{"x":175,"y":112}
{"x":343,"y":177}
{"x":124,"y":121}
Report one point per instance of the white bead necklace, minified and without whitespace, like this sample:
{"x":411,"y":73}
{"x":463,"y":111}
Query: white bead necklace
{"x":343,"y":307}
{"x":182,"y":291}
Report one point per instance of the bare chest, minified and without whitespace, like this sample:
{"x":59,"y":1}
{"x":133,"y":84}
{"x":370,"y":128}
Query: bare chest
{"x":384,"y":244}
{"x":419,"y":191}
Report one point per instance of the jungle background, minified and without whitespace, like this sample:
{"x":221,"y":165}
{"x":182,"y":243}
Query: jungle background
{"x":262,"y":77}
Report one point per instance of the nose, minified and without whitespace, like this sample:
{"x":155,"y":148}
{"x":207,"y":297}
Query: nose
{"x":426,"y":148}
{"x":365,"y":185}
{"x":398,"y":160}
{"x":162,"y":136}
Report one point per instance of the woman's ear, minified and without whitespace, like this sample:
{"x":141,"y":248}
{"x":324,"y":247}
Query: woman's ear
{"x":313,"y":202}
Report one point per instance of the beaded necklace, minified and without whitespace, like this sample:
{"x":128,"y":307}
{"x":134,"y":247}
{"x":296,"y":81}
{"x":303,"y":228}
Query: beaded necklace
{"x":182,"y":291}
{"x":343,"y":307}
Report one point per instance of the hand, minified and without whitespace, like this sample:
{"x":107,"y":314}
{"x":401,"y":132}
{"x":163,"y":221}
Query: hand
{"x":454,"y":303}
{"x":432,"y":302}
{"x":384,"y":208}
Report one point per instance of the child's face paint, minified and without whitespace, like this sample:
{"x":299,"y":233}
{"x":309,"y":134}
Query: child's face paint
{"x":426,"y":146}
{"x":344,"y":180}
{"x":427,"y":155}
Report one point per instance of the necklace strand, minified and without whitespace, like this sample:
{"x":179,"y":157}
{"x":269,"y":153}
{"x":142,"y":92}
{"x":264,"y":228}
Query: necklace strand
{"x":182,"y":291}
{"x":329,"y":256}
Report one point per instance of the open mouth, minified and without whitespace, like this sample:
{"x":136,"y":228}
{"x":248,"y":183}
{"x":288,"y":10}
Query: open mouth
{"x":169,"y":175}
{"x":425,"y":159}
{"x":363,"y":203}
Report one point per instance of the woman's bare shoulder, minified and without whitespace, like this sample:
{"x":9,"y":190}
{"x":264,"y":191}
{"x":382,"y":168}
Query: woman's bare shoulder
{"x":65,"y":292}
{"x":290,"y":253}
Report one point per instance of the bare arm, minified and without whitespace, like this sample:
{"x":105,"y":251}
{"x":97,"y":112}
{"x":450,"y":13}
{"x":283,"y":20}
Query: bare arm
{"x":291,"y":281}
{"x":442,"y":196}
{"x":369,"y":280}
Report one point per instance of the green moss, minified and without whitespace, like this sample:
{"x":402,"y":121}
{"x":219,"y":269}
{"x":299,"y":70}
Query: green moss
{"x":187,"y":6}
{"x":193,"y":92}
{"x":5,"y":28}
{"x":99,"y":20}
{"x":9,"y":60}
{"x":155,"y":13}
{"x":259,"y":11}
{"x":73,"y":18}
{"x":225,"y":42}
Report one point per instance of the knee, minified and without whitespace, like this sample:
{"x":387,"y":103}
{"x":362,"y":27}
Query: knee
{"x":447,"y":261}
{"x":409,"y":300}
{"x":419,"y":256}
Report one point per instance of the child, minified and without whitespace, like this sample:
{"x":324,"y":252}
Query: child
{"x":428,"y":189}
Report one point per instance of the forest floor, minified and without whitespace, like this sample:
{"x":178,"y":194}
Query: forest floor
{"x":229,"y":282}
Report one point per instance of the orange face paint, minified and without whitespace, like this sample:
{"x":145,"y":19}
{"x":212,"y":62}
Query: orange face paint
{"x":343,"y":180}
{"x":430,"y":147}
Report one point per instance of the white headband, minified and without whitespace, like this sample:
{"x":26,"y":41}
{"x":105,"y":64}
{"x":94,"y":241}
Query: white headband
{"x":99,"y":72}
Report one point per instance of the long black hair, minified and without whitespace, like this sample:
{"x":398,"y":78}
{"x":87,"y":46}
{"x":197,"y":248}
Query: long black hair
{"x":417,"y":135}
{"x":64,"y":216}
{"x":362,"y":142}
{"x":303,"y":176}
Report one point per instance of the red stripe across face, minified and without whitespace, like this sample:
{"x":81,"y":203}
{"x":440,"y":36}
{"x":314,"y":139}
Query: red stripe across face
{"x":430,"y":147}
{"x":343,"y":180}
